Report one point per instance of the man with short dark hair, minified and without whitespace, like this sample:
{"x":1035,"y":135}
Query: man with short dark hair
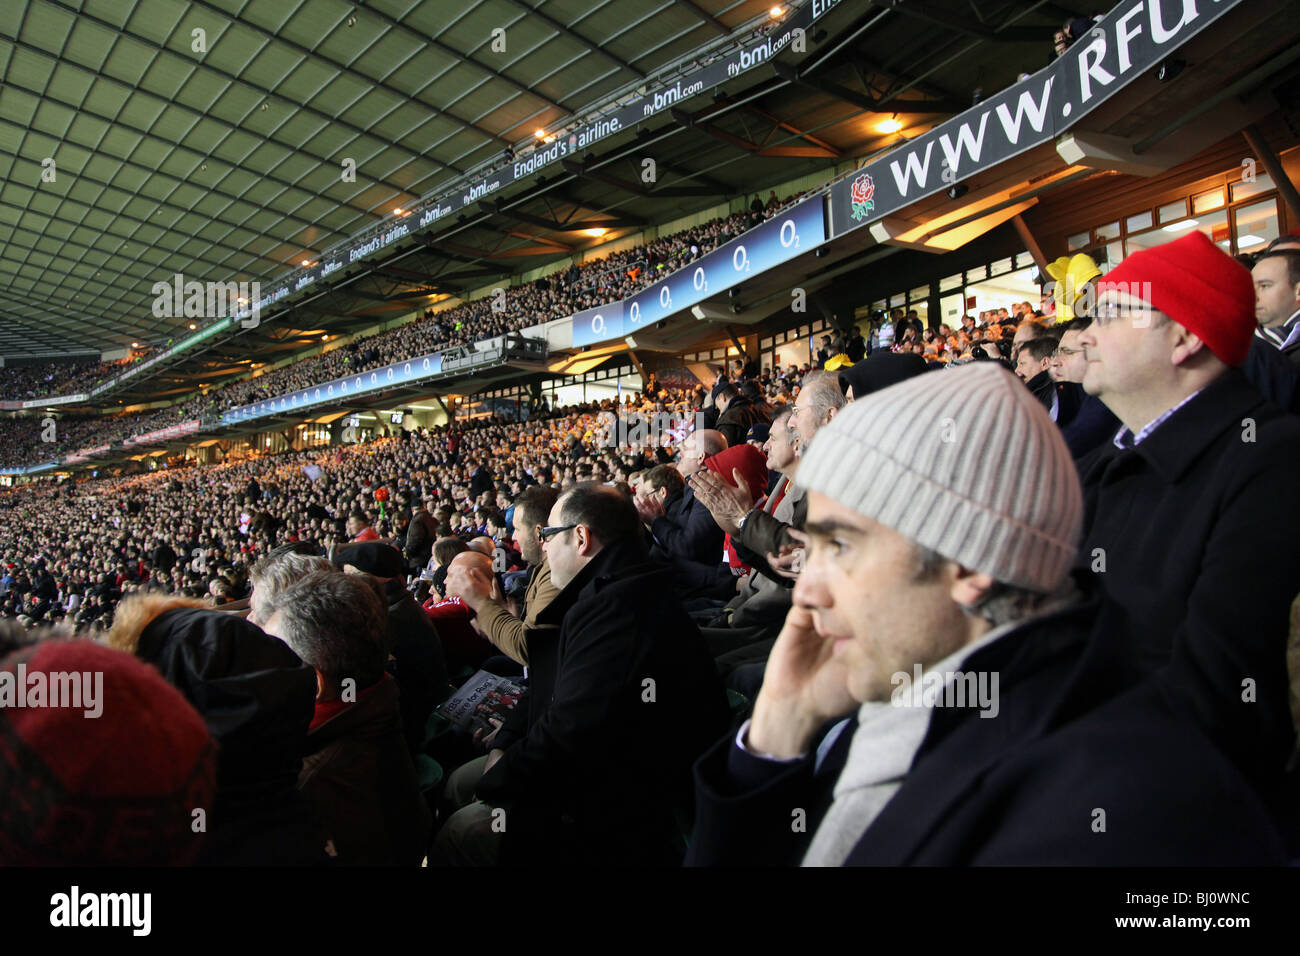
{"x":357,"y":772}
{"x":421,"y":533}
{"x":595,"y":769}
{"x":358,"y":527}
{"x":736,"y":414}
{"x":1276,"y":276}
{"x":1093,"y":423}
{"x":508,"y":633}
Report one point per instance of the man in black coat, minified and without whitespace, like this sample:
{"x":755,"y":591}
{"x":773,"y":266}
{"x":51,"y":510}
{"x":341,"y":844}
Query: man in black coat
{"x":988,"y":728}
{"x":1188,"y":524}
{"x":356,"y":772}
{"x":418,"y":660}
{"x":257,"y":699}
{"x":736,"y":414}
{"x":682,"y":527}
{"x":622,"y":700}
{"x":1273,"y":365}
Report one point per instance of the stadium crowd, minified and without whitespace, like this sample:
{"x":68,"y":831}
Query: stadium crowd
{"x":905,"y":600}
{"x":596,"y":282}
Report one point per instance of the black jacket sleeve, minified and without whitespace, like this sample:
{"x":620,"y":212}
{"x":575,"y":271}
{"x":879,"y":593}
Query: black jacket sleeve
{"x":1273,"y":375}
{"x":750,"y":811}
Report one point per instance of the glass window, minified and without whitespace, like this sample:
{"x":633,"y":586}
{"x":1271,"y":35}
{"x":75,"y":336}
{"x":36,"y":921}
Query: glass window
{"x":1001,"y":267}
{"x":919,"y":294}
{"x":951,"y":282}
{"x":1077,"y":242}
{"x":1256,"y":225}
{"x":1214,"y":199}
{"x":1263,"y":183}
{"x":765,"y":344}
{"x":1171,"y":212}
{"x":1108,"y":232}
{"x":1214,"y":225}
{"x":1143,"y":220}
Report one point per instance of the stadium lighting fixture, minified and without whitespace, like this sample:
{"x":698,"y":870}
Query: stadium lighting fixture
{"x":193,"y":326}
{"x":891,"y":125}
{"x":596,"y":233}
{"x":540,"y":133}
{"x":776,"y":12}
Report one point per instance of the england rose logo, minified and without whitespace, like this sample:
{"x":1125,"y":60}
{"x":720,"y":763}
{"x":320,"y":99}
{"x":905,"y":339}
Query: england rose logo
{"x":862,"y":191}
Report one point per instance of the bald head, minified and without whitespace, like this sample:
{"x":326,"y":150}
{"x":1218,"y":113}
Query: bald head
{"x":483,"y":545}
{"x":697,"y":446}
{"x":710,"y":441}
{"x":471,"y":561}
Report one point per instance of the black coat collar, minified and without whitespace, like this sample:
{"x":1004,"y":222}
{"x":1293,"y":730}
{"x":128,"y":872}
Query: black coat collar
{"x":1176,"y":445}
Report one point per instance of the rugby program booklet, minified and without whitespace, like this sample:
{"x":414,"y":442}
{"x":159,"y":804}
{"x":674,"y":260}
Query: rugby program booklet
{"x":481,"y":697}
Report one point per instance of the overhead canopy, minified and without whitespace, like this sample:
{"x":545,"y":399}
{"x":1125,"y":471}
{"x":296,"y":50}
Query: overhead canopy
{"x":213,"y":140}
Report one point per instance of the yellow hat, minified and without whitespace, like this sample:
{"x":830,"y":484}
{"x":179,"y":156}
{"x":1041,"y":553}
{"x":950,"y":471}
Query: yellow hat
{"x":837,"y":362}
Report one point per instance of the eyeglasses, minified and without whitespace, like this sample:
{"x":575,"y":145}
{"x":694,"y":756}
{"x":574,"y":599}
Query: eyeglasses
{"x":1063,"y":352}
{"x":551,"y":531}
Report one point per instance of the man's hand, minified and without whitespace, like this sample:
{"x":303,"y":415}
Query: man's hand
{"x":485,"y":740}
{"x":727,"y":504}
{"x":789,"y":562}
{"x":471,"y":585}
{"x":649,"y":507}
{"x":804,"y":686}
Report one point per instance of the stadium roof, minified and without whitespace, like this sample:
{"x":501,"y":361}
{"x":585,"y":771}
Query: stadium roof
{"x":210,"y":138}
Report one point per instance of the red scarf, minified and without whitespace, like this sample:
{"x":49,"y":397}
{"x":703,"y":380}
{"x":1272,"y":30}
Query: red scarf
{"x":327,"y":709}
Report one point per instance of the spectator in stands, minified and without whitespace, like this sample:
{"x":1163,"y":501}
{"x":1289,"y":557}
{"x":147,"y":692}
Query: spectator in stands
{"x":508,"y":633}
{"x":444,"y":549}
{"x":464,"y":647}
{"x":859,"y":721}
{"x":819,"y":400}
{"x":357,"y":774}
{"x":412,"y":641}
{"x":420,"y":535}
{"x":257,"y":699}
{"x":682,"y":527}
{"x":275,"y":572}
{"x":1094,"y":423}
{"x":1276,"y":275}
{"x":736,"y":414}
{"x":359,"y":528}
{"x":592,"y":770}
{"x":1181,"y":507}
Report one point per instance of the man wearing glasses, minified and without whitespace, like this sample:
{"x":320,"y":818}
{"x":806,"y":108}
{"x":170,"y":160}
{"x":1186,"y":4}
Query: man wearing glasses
{"x":1188,"y":527}
{"x":613,"y":722}
{"x":1093,"y":423}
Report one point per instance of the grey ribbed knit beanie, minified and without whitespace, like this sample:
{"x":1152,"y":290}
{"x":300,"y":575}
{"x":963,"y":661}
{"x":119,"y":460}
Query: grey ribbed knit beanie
{"x":965,"y":462}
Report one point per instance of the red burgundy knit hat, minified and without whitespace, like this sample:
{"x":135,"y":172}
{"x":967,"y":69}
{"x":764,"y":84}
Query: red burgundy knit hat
{"x":751,"y":462}
{"x":1196,"y":284}
{"x":119,"y":788}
